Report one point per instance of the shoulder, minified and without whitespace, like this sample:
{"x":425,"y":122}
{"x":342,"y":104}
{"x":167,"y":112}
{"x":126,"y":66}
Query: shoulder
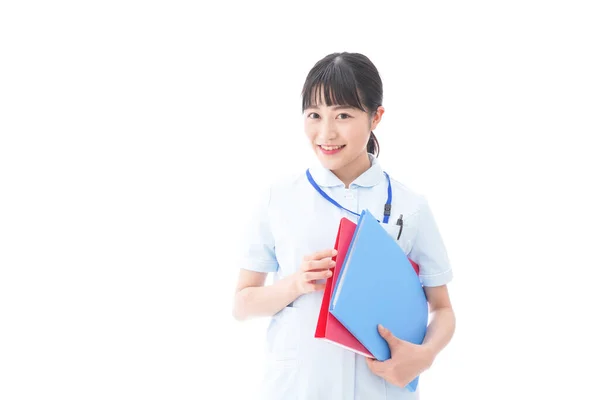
{"x":285,"y":187}
{"x":288,"y":182}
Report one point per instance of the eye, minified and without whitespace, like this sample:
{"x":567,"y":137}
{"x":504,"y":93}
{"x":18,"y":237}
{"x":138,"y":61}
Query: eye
{"x":345,"y":116}
{"x":310,"y":116}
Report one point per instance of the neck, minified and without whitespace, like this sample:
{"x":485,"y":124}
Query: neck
{"x":349,"y":172}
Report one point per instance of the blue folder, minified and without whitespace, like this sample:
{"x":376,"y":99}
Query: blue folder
{"x":378,"y":285}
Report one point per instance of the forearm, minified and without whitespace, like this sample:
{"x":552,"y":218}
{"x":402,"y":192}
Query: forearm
{"x":440,"y":330}
{"x":265,"y":300}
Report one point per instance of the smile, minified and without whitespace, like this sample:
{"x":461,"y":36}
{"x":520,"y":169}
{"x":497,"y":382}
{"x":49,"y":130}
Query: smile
{"x":331,"y":150}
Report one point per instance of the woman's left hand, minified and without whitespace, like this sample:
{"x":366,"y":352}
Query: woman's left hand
{"x":408,"y":360}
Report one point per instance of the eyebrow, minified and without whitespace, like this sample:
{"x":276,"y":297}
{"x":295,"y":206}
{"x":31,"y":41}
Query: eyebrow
{"x":335,"y":108}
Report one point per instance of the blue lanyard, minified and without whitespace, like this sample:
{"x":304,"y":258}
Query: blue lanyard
{"x":387,"y":210}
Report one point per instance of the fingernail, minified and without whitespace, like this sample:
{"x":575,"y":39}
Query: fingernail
{"x":334,"y":252}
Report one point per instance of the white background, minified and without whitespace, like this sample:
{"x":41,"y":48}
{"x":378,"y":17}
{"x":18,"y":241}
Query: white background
{"x":134,"y":137}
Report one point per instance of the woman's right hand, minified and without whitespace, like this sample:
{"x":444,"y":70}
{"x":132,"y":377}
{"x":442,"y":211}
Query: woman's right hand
{"x":314,"y":267}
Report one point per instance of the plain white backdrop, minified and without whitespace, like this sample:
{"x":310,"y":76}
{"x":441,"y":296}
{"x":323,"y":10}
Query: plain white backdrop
{"x":134,"y":136}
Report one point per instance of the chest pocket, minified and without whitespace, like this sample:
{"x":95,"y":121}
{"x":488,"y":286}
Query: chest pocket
{"x":409,"y":231}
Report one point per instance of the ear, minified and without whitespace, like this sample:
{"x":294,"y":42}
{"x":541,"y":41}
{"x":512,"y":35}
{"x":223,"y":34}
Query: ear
{"x":377,"y":117}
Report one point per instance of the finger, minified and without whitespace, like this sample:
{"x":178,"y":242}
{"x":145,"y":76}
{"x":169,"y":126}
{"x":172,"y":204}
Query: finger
{"x":313,"y":276}
{"x":322,"y":254}
{"x":317,"y":265}
{"x":375,"y":366}
{"x":386,"y":334}
{"x":317,"y":286}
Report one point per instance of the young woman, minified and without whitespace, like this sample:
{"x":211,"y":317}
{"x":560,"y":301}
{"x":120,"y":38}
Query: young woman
{"x":293,"y":236}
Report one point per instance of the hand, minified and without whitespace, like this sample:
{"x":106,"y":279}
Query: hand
{"x":408,"y":360}
{"x":314,"y":266}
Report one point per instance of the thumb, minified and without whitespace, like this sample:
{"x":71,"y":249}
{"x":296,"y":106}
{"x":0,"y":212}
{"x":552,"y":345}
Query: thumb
{"x":386,"y":334}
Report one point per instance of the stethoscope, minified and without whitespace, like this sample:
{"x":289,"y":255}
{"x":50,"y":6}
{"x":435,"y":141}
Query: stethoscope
{"x":387,"y":209}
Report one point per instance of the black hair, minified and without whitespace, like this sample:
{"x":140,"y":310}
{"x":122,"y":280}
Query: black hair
{"x":348,"y":79}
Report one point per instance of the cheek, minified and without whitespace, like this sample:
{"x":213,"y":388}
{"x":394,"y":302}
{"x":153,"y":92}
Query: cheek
{"x":356,"y":135}
{"x":310,"y":131}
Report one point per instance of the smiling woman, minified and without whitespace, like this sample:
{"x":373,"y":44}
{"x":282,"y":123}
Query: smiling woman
{"x":342,"y":105}
{"x":295,"y":227}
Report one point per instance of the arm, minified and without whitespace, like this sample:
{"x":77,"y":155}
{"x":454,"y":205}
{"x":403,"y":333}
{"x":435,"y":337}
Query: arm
{"x":430,"y":253}
{"x":442,"y":325}
{"x":252,"y":298}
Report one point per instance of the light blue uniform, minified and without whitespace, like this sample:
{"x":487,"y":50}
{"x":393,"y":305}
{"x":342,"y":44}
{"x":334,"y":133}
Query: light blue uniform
{"x":293,"y":221}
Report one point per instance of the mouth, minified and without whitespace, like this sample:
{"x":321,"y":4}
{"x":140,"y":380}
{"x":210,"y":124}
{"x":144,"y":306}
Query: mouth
{"x":329,"y":150}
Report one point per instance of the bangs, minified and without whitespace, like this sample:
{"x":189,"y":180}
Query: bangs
{"x":334,"y":83}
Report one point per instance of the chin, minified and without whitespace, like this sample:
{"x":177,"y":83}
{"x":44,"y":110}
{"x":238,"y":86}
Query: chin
{"x":332,"y":164}
{"x":336,"y":161}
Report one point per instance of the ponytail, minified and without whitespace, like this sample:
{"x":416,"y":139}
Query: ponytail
{"x":373,"y":145}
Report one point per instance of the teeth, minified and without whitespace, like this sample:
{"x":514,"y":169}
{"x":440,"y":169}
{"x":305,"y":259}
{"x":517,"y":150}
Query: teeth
{"x":329,"y":148}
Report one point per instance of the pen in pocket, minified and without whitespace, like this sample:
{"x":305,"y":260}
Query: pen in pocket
{"x":400,"y":222}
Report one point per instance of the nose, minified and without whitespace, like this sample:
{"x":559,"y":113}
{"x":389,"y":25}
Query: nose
{"x":327,"y":131}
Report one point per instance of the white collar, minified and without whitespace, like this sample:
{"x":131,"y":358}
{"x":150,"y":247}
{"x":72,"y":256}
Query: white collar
{"x":371,"y":177}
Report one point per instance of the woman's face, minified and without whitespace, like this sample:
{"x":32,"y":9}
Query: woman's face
{"x":339,"y":134}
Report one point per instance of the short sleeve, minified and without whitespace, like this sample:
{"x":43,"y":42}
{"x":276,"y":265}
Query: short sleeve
{"x":258,"y":246}
{"x":429,"y":251}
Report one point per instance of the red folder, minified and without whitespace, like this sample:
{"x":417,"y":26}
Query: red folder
{"x":328,"y":327}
